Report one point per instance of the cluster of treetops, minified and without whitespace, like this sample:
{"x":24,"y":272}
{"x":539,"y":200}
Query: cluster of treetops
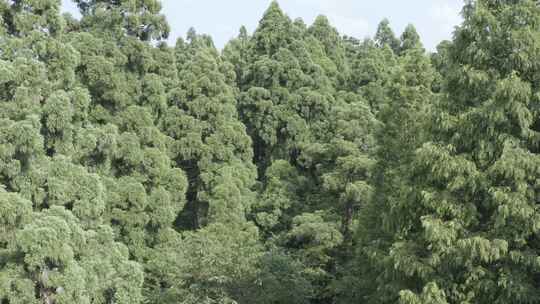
{"x":295,"y":166}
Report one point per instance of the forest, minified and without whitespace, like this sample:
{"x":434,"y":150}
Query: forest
{"x":294,"y":166}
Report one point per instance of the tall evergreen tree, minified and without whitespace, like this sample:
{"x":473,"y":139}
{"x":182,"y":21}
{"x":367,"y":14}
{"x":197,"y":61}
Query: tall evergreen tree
{"x":211,"y":143}
{"x":236,"y":51}
{"x":52,"y":208}
{"x":337,"y":67}
{"x":217,"y":248}
{"x":297,"y":166}
{"x":371,"y":69}
{"x":129,"y":81}
{"x":404,"y":122}
{"x":138,"y":18}
{"x":385,"y":36}
{"x":311,"y":142}
{"x":469,"y":231}
{"x":409,"y":39}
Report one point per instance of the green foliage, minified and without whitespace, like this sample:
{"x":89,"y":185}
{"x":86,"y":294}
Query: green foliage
{"x":210,"y":143}
{"x":385,"y":37}
{"x":48,"y":257}
{"x":280,"y":280}
{"x":456,"y":237}
{"x":371,"y":68}
{"x":210,"y":265}
{"x":138,"y":18}
{"x":333,"y":48}
{"x":295,"y":166}
{"x":312,"y":142}
{"x":409,"y":39}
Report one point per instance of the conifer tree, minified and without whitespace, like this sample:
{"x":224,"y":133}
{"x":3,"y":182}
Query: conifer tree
{"x":404,"y":121}
{"x":469,"y":231}
{"x":128,"y":81}
{"x":385,"y":37}
{"x":311,"y":142}
{"x":332,"y":44}
{"x":235,"y":52}
{"x":138,"y":18}
{"x":52,"y":208}
{"x":296,"y":166}
{"x":51,"y":258}
{"x":217,"y":248}
{"x":371,"y":70}
{"x":409,"y":39}
{"x":211,"y":143}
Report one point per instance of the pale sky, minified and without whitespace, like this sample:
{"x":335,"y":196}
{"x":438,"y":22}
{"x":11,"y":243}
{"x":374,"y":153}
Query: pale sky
{"x":434,"y":19}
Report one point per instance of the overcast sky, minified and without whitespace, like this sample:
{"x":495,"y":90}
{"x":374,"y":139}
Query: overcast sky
{"x":434,"y":19}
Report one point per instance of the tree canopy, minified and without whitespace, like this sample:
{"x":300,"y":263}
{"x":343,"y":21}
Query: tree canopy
{"x":294,"y":166}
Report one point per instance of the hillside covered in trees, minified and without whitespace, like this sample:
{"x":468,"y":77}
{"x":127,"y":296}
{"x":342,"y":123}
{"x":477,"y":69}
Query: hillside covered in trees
{"x":295,"y":166}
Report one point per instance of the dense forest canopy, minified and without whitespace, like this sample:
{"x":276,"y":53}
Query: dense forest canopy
{"x":295,"y":166}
